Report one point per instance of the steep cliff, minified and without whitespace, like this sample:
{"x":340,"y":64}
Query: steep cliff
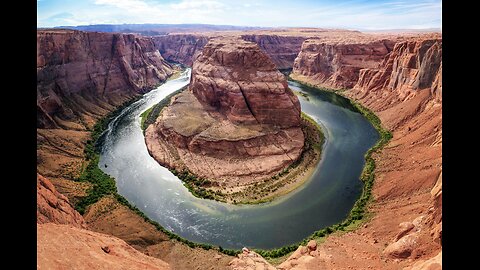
{"x":406,"y":227}
{"x":411,"y":66}
{"x":181,"y":48}
{"x":238,"y":122}
{"x":184,"y":48}
{"x":282,"y":49}
{"x":54,"y":207}
{"x":83,"y":75}
{"x":336,"y":64}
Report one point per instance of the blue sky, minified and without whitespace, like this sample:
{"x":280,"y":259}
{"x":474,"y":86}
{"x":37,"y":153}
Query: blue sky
{"x":353,"y":14}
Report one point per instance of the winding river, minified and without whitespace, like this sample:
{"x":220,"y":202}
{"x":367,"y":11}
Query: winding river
{"x":325,"y":199}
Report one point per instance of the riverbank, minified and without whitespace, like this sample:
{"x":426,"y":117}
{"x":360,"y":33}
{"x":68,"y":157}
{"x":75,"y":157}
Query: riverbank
{"x":278,"y":252}
{"x":289,"y":179}
{"x":102,"y":198}
{"x":359,"y":213}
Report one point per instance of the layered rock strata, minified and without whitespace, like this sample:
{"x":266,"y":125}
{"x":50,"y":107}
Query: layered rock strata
{"x":83,"y":75}
{"x":337,"y":64}
{"x":185,"y":48}
{"x":237,"y":123}
{"x":181,"y":48}
{"x":281,"y":49}
{"x":406,"y":228}
{"x":411,"y":66}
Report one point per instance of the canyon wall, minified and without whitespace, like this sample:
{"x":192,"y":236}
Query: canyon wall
{"x":336,"y":64}
{"x":281,"y":49}
{"x":83,"y":75}
{"x":184,"y":48}
{"x":238,"y":122}
{"x":181,"y":48}
{"x":411,"y":66}
{"x":405,"y":230}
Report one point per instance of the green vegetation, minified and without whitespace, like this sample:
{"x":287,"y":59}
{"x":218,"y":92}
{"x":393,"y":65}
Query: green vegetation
{"x":104,"y":184}
{"x":149,"y":116}
{"x":358,"y":212}
{"x":196,"y":185}
{"x":143,"y":117}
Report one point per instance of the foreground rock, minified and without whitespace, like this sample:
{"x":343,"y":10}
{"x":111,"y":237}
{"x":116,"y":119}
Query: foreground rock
{"x":54,"y":207}
{"x":249,"y":260}
{"x":238,"y":123}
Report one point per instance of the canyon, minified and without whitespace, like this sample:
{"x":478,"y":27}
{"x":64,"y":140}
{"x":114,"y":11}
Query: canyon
{"x":81,"y":76}
{"x":237,"y":125}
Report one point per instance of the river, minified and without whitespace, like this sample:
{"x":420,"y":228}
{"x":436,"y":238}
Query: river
{"x":325,"y":199}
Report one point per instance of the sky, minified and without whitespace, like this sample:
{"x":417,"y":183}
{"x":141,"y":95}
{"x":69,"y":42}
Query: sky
{"x":349,"y":14}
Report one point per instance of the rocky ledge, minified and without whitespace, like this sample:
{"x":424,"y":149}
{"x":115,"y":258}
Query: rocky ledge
{"x":236,"y":125}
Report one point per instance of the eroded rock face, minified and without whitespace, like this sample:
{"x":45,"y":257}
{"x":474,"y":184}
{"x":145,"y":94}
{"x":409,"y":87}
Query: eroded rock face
{"x":69,"y":247}
{"x":237,"y":121}
{"x":181,"y":48}
{"x":54,"y":207}
{"x":241,"y":82}
{"x":337,"y":64}
{"x":407,"y":226}
{"x":282,"y":49}
{"x":83,"y":75}
{"x":411,"y":66}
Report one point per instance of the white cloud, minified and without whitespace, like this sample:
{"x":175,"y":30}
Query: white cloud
{"x":345,"y":14}
{"x":192,"y":4}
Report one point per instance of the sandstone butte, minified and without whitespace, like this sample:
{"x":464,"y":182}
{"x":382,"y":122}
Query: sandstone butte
{"x":404,"y":89}
{"x":238,"y":123}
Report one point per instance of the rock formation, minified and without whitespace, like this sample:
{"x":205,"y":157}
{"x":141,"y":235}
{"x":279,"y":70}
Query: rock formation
{"x":69,"y":247}
{"x":181,"y":48}
{"x":61,"y":229}
{"x":411,"y":66}
{"x":336,"y":64}
{"x":184,"y":48}
{"x":54,"y":207}
{"x":83,"y":75}
{"x":405,"y":92}
{"x":237,"y":122}
{"x":281,"y":49}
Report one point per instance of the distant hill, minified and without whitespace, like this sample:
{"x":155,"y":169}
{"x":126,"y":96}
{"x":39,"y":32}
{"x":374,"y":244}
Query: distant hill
{"x":158,"y":29}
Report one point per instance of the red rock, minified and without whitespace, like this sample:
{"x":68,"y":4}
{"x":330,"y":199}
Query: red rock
{"x":52,"y":206}
{"x":338,"y":64}
{"x":181,"y":48}
{"x":238,"y":121}
{"x":411,"y":66}
{"x":82,"y":74}
{"x":403,"y":247}
{"x":281,"y":49}
{"x":312,"y":245}
{"x":240,"y":81}
{"x":68,"y":247}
